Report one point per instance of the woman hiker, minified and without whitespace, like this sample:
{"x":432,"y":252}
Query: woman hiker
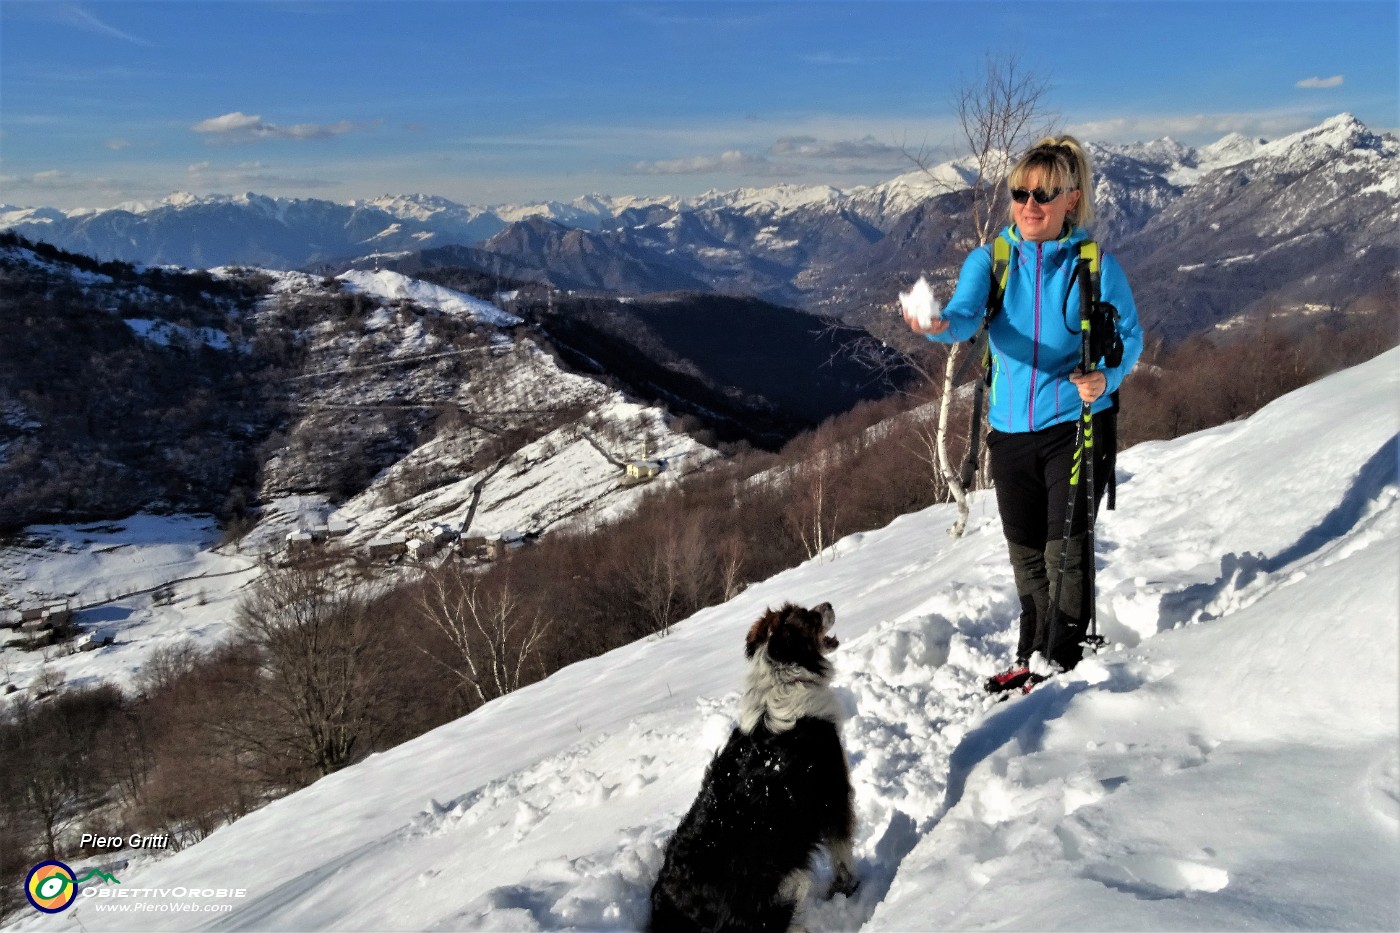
{"x":1037,"y":390}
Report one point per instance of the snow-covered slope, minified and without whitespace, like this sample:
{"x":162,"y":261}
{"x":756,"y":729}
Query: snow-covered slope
{"x":570,"y":475}
{"x":392,"y":286}
{"x":1230,"y":763}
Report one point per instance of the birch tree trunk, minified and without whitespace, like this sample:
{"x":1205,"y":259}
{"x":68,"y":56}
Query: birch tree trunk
{"x":951,"y":475}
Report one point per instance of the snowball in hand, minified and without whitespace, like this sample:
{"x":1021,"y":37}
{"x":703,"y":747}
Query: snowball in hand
{"x":919,"y":304}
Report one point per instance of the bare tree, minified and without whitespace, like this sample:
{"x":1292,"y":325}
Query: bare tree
{"x":669,"y":571}
{"x":813,"y":513}
{"x":690,"y":547}
{"x":999,"y":113}
{"x":50,"y":786}
{"x":493,"y":633}
{"x":732,"y":554}
{"x":923,"y":441}
{"x":166,"y":665}
{"x":52,"y":774}
{"x":313,"y":697}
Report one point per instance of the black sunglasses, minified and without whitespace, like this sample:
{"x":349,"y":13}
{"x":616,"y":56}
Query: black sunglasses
{"x":1022,"y":195}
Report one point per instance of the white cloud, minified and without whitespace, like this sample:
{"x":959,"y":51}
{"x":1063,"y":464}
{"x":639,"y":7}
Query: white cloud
{"x":116,"y":145}
{"x":56,"y":181}
{"x":730,"y":162}
{"x":247,"y":176}
{"x":1334,"y":81}
{"x":228,"y":123}
{"x":810,"y":147}
{"x":76,"y":16}
{"x":51,"y":180}
{"x":239,"y":127}
{"x":793,"y":156}
{"x":1194,"y":128}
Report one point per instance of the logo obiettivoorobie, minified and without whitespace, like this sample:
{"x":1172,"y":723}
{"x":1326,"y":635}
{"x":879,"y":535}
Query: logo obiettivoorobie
{"x":52,"y":886}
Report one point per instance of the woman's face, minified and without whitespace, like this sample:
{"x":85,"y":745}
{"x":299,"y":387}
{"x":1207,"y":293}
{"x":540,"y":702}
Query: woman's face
{"x":1041,"y":222}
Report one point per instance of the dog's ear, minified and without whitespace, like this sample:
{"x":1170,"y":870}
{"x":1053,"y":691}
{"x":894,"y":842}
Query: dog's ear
{"x":761,"y":631}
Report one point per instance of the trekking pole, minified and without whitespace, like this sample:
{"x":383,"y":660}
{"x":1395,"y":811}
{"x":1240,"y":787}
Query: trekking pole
{"x":1088,"y":363}
{"x":968,"y":474}
{"x":1092,"y":639}
{"x":1074,"y":471}
{"x":1083,"y":462}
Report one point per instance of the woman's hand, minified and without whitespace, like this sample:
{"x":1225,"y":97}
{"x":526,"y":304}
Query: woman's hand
{"x":1091,"y":386}
{"x":935,"y":326}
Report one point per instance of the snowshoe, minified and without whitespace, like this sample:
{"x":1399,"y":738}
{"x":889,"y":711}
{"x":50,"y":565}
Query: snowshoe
{"x":1031,"y":681}
{"x":1013,"y":678}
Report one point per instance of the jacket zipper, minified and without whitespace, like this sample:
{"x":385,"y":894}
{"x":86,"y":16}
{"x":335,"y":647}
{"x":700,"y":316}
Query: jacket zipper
{"x":1035,"y":352}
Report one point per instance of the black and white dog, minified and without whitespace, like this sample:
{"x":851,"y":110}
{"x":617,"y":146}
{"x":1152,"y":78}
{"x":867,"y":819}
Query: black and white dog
{"x":741,"y":858}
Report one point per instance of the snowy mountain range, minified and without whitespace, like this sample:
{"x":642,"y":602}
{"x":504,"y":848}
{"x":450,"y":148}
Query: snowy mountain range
{"x":1307,"y":223}
{"x":429,"y":220}
{"x":1175,"y":211}
{"x":1229,"y":762}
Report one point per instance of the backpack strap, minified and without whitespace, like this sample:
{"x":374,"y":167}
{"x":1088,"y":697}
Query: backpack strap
{"x":1001,"y":271}
{"x":1001,"y":268}
{"x":982,"y":350}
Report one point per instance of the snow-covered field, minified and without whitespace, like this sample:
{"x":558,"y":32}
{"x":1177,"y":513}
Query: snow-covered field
{"x":1230,"y":763}
{"x":108,"y":573}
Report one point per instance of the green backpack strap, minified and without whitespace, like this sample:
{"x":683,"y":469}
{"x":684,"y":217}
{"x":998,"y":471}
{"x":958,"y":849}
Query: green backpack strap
{"x":1001,"y":270}
{"x":1001,"y":266}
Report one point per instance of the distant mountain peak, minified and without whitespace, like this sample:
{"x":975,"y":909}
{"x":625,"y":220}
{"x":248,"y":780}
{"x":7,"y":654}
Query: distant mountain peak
{"x":1164,"y":152}
{"x":1230,"y":148}
{"x":1341,"y":133}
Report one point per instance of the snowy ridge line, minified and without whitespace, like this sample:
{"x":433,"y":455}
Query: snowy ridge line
{"x":1140,"y":791}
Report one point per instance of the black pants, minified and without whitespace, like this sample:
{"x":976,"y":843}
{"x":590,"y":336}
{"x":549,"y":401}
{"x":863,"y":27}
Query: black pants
{"x":1032,"y":476}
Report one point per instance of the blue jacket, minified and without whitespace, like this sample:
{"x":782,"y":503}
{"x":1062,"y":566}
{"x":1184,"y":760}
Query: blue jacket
{"x":1035,"y":338}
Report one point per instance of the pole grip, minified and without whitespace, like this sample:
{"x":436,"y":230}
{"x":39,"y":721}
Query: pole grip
{"x":1088,"y":288}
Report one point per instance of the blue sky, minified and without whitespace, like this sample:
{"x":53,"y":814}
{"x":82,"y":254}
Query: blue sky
{"x":487,"y":103}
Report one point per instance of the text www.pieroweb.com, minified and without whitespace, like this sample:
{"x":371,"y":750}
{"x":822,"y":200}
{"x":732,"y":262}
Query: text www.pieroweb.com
{"x":140,"y":908}
{"x":163,"y":900}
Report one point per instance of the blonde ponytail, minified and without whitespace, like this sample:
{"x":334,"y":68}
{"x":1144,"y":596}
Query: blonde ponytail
{"x":1063,"y":163}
